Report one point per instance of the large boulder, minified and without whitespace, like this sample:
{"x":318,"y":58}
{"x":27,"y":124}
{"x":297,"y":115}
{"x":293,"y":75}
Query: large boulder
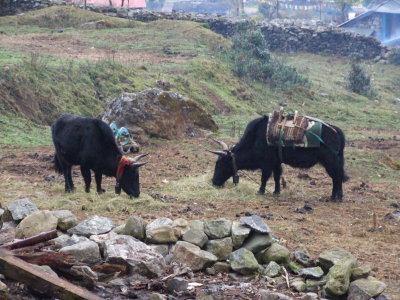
{"x":86,"y":251}
{"x":192,"y":256}
{"x":19,"y":209}
{"x":157,"y":113}
{"x":221,"y":248}
{"x":92,"y":226}
{"x":140,"y":258}
{"x":330,"y":257}
{"x":136,"y":227}
{"x":218,"y":228}
{"x":196,"y":237}
{"x":369,"y":286}
{"x":276,"y":252}
{"x":37,"y":222}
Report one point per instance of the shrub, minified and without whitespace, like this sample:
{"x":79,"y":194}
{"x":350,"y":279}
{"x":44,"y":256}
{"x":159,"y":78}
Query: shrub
{"x":359,"y":80}
{"x":251,"y":58}
{"x":394,"y":57}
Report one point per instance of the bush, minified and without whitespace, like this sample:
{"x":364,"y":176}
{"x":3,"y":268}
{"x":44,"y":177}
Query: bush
{"x":359,"y":80}
{"x":251,"y":58}
{"x":394,"y":57}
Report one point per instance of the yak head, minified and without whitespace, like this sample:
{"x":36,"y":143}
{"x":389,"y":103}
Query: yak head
{"x":225,"y":167}
{"x":129,"y":181}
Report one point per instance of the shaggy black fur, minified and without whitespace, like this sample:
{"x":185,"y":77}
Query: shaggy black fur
{"x":252,"y":153}
{"x":90,"y":144}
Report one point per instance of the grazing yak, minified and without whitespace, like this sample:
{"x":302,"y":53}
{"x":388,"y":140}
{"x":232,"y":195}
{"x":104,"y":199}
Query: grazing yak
{"x":252,"y":152}
{"x":91,"y":144}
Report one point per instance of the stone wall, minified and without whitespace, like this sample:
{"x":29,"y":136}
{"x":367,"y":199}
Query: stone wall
{"x":9,"y":7}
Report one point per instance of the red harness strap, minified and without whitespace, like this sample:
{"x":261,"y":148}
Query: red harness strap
{"x":121,"y":165}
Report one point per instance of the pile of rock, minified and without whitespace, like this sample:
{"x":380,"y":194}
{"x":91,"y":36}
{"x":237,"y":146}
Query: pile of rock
{"x":243,"y":249}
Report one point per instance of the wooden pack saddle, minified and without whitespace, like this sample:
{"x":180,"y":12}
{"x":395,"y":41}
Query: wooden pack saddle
{"x":286,"y":127}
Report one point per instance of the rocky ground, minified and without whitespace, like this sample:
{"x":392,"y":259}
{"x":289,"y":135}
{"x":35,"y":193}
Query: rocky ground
{"x":301,"y":218}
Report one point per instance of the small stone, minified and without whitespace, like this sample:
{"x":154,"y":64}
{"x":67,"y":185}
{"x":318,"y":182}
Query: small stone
{"x":298,"y":286}
{"x":257,"y":241}
{"x":177,"y":284}
{"x":196,"y":224}
{"x":87,"y":251}
{"x":192,"y":256}
{"x":66,"y":219}
{"x":268,"y":295}
{"x":303,"y":258}
{"x":310,"y":296}
{"x":360,"y":272}
{"x":93,"y":226}
{"x":338,"y":278}
{"x":314,"y":285}
{"x":239,"y":233}
{"x":276,"y":253}
{"x":160,"y":231}
{"x":162,"y":249}
{"x":222,"y":267}
{"x":48,"y":270}
{"x":221,"y":248}
{"x":19,"y":209}
{"x":211,"y":271}
{"x":315,"y":272}
{"x":204,"y":296}
{"x":156,"y":296}
{"x":330,"y":257}
{"x":218,"y":228}
{"x":37,"y":222}
{"x":370,"y":286}
{"x":243,"y":261}
{"x":180,"y":226}
{"x":3,"y":289}
{"x":136,"y":227}
{"x":196,"y":237}
{"x":256,"y":223}
{"x":272,"y":270}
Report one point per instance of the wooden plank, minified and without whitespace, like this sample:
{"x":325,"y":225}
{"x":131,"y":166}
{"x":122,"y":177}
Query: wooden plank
{"x":42,"y":237}
{"x":40,"y":281}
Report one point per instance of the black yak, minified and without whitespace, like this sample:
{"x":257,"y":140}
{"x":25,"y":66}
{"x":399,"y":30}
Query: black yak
{"x":252,"y":152}
{"x":91,"y":144}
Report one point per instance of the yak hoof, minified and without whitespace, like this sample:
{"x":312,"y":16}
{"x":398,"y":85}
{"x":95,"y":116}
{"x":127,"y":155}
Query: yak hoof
{"x":101,"y":191}
{"x":277,"y":193}
{"x":87,"y":190}
{"x":70,"y":190}
{"x":260,"y":192}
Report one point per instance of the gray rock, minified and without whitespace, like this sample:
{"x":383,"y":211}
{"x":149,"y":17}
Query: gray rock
{"x":381,"y":297}
{"x":101,"y":239}
{"x":67,"y":240}
{"x":192,"y":256}
{"x":360,"y":272}
{"x":310,"y":296}
{"x":268,"y":295}
{"x":272,"y":270}
{"x":162,"y":249}
{"x":204,"y":296}
{"x":298,"y":285}
{"x":221,"y":248}
{"x":93,"y":226}
{"x":140,"y":258}
{"x":19,"y":209}
{"x":3,"y":290}
{"x":256,"y":223}
{"x":303,"y":258}
{"x":48,"y":270}
{"x":196,"y":237}
{"x":66,"y":219}
{"x":243,"y":261}
{"x":356,"y":293}
{"x":156,"y":296}
{"x":338,"y":278}
{"x":369,"y":286}
{"x":218,"y":228}
{"x":196,"y":224}
{"x":257,"y":242}
{"x":87,"y":251}
{"x":276,"y":252}
{"x":160,"y":231}
{"x":222,"y":267}
{"x":120,"y":229}
{"x":330,"y":257}
{"x":86,"y":276}
{"x":315,"y":272}
{"x":180,"y":226}
{"x":239,"y":233}
{"x":177,"y":284}
{"x":35,"y":223}
{"x":315,"y":285}
{"x":136,"y":227}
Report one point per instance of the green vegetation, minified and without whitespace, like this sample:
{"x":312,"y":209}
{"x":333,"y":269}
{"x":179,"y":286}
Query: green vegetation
{"x":394,"y":57}
{"x":251,"y":58}
{"x":359,"y":80}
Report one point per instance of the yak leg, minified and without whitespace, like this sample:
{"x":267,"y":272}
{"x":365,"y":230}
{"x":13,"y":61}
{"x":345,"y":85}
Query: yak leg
{"x":66,"y":169}
{"x":277,"y":179}
{"x":265,"y":174}
{"x":333,"y":169}
{"x":98,"y":177}
{"x":87,"y":177}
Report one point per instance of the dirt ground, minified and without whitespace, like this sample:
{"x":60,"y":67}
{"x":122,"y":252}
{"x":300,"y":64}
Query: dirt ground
{"x":357,"y":224}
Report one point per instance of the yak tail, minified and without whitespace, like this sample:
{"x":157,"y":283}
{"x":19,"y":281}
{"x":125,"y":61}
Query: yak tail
{"x":57,"y":165}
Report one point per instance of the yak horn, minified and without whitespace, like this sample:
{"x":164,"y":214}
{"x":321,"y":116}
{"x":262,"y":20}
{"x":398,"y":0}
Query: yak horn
{"x":139,"y":164}
{"x":218,"y":152}
{"x":224,"y":146}
{"x":136,"y":158}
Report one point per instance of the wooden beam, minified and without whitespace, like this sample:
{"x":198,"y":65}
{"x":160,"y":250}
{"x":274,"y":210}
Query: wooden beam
{"x":40,"y":281}
{"x":42,"y":237}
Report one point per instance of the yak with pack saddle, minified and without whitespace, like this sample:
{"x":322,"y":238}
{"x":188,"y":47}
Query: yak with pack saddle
{"x":90,"y":144}
{"x":266,"y":145}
